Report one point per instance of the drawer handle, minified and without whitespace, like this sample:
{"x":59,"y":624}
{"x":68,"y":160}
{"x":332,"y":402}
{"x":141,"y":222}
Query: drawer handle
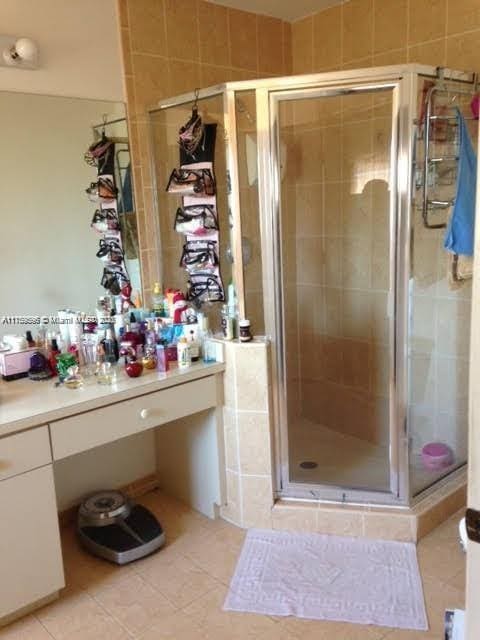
{"x":150,"y":413}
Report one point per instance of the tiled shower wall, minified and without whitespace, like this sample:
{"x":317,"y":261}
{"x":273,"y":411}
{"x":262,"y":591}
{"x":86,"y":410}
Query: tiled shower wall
{"x":336,"y":239}
{"x":171,"y":47}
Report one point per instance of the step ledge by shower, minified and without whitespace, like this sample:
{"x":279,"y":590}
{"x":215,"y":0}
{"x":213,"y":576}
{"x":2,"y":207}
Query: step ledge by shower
{"x":370,"y":521}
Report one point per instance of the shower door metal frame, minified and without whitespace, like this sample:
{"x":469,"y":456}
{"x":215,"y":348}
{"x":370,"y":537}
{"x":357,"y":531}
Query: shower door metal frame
{"x":322,"y":85}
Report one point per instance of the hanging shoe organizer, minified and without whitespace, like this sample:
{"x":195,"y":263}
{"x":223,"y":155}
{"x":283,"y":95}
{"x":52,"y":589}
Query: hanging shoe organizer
{"x":103,"y":193}
{"x":197,"y":218}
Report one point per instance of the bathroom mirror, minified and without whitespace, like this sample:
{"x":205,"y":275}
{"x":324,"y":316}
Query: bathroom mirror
{"x":47,"y":246}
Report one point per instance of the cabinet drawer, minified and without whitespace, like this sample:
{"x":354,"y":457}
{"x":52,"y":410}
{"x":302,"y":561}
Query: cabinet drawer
{"x":97,"y":427}
{"x":24,"y":451}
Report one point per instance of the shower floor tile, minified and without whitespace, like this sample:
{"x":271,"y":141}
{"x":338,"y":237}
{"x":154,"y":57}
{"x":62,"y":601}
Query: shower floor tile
{"x":342,"y":460}
{"x":346,"y":461}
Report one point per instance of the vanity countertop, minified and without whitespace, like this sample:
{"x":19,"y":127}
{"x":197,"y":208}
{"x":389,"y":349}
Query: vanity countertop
{"x":25,"y":403}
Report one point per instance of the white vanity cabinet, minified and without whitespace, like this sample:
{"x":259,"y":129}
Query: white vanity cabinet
{"x":40,"y":424}
{"x":31,"y":567}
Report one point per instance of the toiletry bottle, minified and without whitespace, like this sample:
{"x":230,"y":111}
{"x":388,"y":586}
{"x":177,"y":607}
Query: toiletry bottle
{"x":52,"y":356}
{"x":183,"y":353}
{"x":150,"y":334}
{"x":232,"y":305}
{"x":110,"y":347}
{"x":119,"y":325}
{"x":208,"y":346}
{"x":227,"y":323}
{"x":133,"y":323}
{"x":130,"y":336}
{"x":157,"y":300}
{"x":194,"y":347}
{"x":30,"y":340}
{"x":162,"y":360}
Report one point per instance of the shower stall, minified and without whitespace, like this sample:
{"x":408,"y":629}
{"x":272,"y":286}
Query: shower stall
{"x":333,"y":194}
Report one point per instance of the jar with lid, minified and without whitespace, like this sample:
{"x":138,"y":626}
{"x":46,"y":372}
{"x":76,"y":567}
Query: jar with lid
{"x":245,"y":333}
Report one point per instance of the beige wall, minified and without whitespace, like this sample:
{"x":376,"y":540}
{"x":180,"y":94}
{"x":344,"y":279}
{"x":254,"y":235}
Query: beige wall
{"x":78,"y":43}
{"x":173,"y":46}
{"x":362,"y":33}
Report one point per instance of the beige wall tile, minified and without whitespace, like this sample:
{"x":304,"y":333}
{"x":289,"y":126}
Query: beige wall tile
{"x":211,"y":75}
{"x":390,"y":25}
{"x":327,"y":39}
{"x":462,"y":51}
{"x":147,"y":26}
{"x":182,"y":29}
{"x":257,"y":497}
{"x":357,"y":310}
{"x":422,"y":374}
{"x":232,"y":511}
{"x":333,"y":210}
{"x":357,"y":266}
{"x":399,"y":56}
{"x":270,"y":45}
{"x":389,"y":526}
{"x":255,"y":447}
{"x":310,"y":260}
{"x":356,"y":363}
{"x":243,"y":39}
{"x":149,"y":85}
{"x":453,"y":327}
{"x":332,"y":154}
{"x":302,"y":45}
{"x":287,"y":48}
{"x":357,"y":29}
{"x":309,"y":210}
{"x":297,"y":517}
{"x":213,"y":26}
{"x":433,"y":53}
{"x":231,"y":439}
{"x":462,"y":15}
{"x":340,"y":522}
{"x":426,"y":20}
{"x":452,"y":383}
{"x":184,"y":76}
{"x":251,"y":377}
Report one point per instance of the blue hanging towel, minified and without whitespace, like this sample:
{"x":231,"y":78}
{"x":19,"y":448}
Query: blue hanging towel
{"x":461,"y":227}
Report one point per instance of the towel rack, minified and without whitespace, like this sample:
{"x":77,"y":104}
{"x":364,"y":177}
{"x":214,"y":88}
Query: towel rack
{"x":430,"y":204}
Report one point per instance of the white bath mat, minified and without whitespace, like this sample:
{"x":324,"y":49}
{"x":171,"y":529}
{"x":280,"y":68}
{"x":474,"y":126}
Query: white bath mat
{"x":329,"y":578}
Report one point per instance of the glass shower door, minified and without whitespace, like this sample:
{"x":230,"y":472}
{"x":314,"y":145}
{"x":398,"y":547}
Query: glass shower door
{"x":336,"y":272}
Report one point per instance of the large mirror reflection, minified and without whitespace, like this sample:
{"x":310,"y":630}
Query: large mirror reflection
{"x":47,"y":244}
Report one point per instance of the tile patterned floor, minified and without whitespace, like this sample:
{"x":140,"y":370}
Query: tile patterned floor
{"x":178,"y":593}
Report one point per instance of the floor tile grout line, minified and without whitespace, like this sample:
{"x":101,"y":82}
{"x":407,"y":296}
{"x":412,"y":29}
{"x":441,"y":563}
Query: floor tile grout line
{"x":42,"y":625}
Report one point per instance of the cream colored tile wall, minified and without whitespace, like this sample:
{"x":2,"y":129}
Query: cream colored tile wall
{"x":171,"y":47}
{"x":335,"y":238}
{"x":248,"y":438}
{"x":361,"y":33}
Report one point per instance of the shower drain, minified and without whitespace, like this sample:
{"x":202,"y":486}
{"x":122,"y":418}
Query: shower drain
{"x":308,"y":464}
